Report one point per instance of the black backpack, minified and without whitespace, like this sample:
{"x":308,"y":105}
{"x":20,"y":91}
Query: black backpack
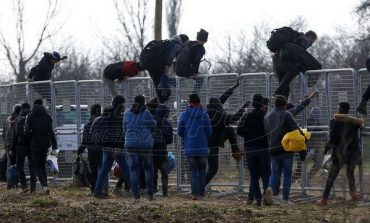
{"x":81,"y":173}
{"x":153,"y":55}
{"x":281,"y":36}
{"x":183,"y":66}
{"x":20,"y":126}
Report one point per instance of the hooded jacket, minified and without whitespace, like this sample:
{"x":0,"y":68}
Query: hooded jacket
{"x":138,"y":127}
{"x":42,"y":71}
{"x":277,"y":123}
{"x":39,"y":125}
{"x":344,"y":140}
{"x":194,"y":127}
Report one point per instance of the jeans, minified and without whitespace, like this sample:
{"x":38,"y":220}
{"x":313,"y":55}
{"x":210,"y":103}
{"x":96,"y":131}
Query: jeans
{"x":198,"y":165}
{"x":333,"y":173}
{"x":142,"y":157}
{"x":38,"y":165}
{"x":108,"y":158}
{"x":282,"y":163}
{"x":212,"y":163}
{"x":161,"y":85}
{"x":258,"y":161}
{"x":160,"y":164}
{"x":22,"y":153}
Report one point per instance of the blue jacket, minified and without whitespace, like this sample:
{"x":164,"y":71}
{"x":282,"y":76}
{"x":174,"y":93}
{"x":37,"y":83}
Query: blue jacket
{"x":138,"y":127}
{"x":194,"y":127}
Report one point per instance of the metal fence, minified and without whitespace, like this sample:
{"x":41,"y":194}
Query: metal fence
{"x":68,"y":103}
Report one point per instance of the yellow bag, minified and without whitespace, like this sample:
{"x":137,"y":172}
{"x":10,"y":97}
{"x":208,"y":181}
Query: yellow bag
{"x":294,"y":141}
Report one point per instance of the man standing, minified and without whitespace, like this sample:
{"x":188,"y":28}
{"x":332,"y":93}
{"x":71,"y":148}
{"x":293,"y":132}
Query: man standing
{"x":194,"y":127}
{"x":8,"y":135}
{"x":277,"y":123}
{"x":40,"y":127}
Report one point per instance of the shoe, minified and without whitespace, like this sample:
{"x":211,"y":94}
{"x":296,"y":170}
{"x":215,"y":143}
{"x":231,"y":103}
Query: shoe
{"x":194,"y":198}
{"x":268,"y":196}
{"x":249,"y":202}
{"x":286,"y":203}
{"x":238,"y":155}
{"x":322,"y":202}
{"x":99,"y":195}
{"x":46,"y":190}
{"x":355,"y":196}
{"x":362,"y":107}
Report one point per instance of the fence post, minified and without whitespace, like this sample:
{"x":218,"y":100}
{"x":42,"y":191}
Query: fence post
{"x":178,"y":140}
{"x":304,"y":166}
{"x":78,"y":111}
{"x":52,"y":104}
{"x":241,"y":162}
{"x":356,"y":77}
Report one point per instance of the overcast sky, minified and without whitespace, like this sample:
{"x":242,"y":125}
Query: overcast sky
{"x":86,"y":22}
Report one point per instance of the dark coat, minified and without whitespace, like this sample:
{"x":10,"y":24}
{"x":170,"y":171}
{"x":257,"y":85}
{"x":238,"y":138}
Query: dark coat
{"x":39,"y":125}
{"x":197,"y":52}
{"x":163,"y":132}
{"x":107,"y":131}
{"x":344,"y":139}
{"x":87,"y":142}
{"x":251,"y":128}
{"x":42,"y":71}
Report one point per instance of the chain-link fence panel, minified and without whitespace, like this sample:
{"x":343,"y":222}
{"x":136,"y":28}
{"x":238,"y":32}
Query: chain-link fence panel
{"x":6,"y":103}
{"x":138,"y":86}
{"x":228,"y":169}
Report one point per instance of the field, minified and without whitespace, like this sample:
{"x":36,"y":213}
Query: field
{"x":70,"y":204}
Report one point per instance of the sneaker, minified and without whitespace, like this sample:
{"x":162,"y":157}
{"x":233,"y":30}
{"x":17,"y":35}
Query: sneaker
{"x":362,"y":107}
{"x":355,"y":196}
{"x":286,"y":203}
{"x":322,"y":202}
{"x":238,"y":155}
{"x":268,"y":196}
{"x":258,"y":203}
{"x":100,"y":195}
{"x":194,"y":198}
{"x":46,"y":190}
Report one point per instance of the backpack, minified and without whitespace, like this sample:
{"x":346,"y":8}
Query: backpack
{"x":12,"y":176}
{"x":3,"y":165}
{"x":171,"y":160}
{"x":183,"y":66}
{"x":153,"y":55}
{"x":80,"y":172}
{"x":281,"y":36}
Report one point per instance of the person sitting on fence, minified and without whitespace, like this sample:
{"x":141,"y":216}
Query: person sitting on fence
{"x":157,"y":57}
{"x":366,"y":96}
{"x":107,"y":133}
{"x":277,"y":123}
{"x":220,"y":122}
{"x":120,"y":71}
{"x":194,"y":127}
{"x":163,"y":136}
{"x":8,"y":135}
{"x":94,"y":155}
{"x":291,"y":59}
{"x":138,"y":126}
{"x":22,"y":145}
{"x":345,"y":145}
{"x":39,"y":125}
{"x":255,"y":144}
{"x":42,"y":72}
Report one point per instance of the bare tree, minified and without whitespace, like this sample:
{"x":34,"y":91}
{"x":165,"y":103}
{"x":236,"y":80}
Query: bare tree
{"x":174,"y":8}
{"x":132,"y":17}
{"x":364,"y":9}
{"x":16,"y":54}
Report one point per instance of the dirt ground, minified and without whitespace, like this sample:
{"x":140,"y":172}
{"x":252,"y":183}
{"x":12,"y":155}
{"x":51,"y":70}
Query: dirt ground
{"x":70,"y":204}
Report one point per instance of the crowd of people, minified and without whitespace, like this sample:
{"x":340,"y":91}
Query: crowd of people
{"x":137,"y":138}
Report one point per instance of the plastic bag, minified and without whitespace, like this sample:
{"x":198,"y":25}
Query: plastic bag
{"x":327,"y":162}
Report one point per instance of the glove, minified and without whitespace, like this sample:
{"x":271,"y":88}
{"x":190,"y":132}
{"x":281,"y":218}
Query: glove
{"x":327,"y":148}
{"x":302,"y":155}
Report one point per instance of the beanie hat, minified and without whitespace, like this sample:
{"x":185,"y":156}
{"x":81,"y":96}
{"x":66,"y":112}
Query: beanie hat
{"x":95,"y":109}
{"x":202,"y":35}
{"x":140,"y":99}
{"x":257,"y":101}
{"x":38,"y":102}
{"x":55,"y":55}
{"x":184,"y":38}
{"x":25,"y":106}
{"x":130,"y":68}
{"x":194,"y":99}
{"x":119,"y":99}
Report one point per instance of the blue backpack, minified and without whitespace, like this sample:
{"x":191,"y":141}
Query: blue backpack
{"x":171,"y":159}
